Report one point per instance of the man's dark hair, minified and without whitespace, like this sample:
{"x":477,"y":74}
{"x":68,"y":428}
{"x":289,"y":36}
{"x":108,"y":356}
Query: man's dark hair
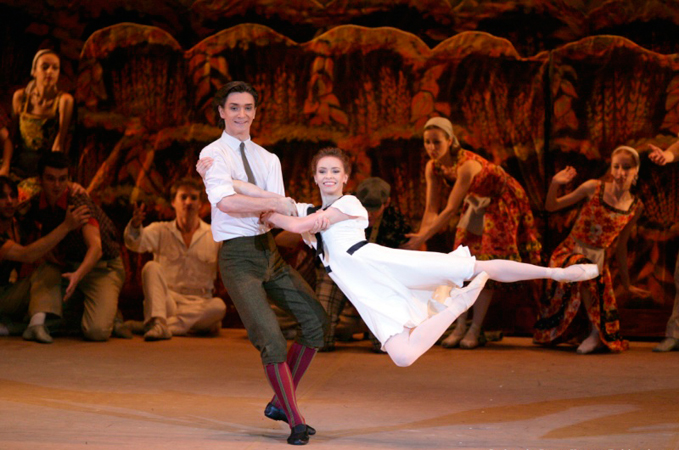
{"x":55,"y":160}
{"x":229,"y":88}
{"x":191,"y":182}
{"x":7,"y":181}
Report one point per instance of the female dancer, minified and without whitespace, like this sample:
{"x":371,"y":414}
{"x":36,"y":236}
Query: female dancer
{"x":44,"y":113}
{"x":496,"y":219}
{"x":610,"y":211}
{"x":406,"y":298}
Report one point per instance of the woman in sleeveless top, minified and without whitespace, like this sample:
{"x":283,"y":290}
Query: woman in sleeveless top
{"x":43,"y":113}
{"x":609,"y":212}
{"x":496,"y":219}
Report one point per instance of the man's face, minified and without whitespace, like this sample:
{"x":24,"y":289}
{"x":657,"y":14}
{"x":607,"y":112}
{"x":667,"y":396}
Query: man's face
{"x":186,"y":203}
{"x":54,"y":182}
{"x":238,"y":113}
{"x":8,"y":202}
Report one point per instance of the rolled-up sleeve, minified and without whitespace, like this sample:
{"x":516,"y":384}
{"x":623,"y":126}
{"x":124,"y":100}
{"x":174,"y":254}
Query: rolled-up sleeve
{"x":143,"y":240}
{"x":218,"y":181}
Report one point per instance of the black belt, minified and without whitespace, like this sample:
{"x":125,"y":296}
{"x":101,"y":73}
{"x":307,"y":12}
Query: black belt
{"x":351,"y":250}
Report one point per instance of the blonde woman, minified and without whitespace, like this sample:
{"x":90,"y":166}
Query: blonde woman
{"x":44,"y":114}
{"x":609,"y":212}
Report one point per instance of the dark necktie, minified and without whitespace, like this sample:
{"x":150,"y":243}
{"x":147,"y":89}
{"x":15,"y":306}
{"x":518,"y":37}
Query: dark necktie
{"x":319,"y":239}
{"x":248,"y":170}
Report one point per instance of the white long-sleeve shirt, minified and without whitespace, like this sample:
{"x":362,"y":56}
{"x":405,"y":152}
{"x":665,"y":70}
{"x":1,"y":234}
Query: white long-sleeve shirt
{"x":188,"y":270}
{"x":228,"y":166}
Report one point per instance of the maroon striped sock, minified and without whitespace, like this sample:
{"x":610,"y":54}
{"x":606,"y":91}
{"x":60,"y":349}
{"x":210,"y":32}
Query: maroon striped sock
{"x":280,"y":378}
{"x":299,"y":359}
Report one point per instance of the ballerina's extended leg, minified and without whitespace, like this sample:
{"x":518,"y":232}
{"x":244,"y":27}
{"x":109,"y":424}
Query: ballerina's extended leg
{"x":405,"y":347}
{"x":507,"y":271}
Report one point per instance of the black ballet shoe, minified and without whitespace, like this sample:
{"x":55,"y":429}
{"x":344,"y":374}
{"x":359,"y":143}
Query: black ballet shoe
{"x":299,"y":435}
{"x":275,"y":413}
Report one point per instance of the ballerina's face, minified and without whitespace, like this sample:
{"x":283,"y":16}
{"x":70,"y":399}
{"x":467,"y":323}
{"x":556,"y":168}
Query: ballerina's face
{"x":436,"y":143}
{"x":623,"y":170}
{"x":330,"y":175}
{"x":47,"y":70}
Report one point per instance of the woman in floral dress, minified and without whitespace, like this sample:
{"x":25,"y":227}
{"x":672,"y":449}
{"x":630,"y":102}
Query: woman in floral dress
{"x":610,"y":212}
{"x":496,"y":219}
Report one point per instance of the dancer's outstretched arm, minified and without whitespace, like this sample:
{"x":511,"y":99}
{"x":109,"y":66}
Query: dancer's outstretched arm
{"x":434,"y":221}
{"x":663,"y":157}
{"x":565,"y":176}
{"x":305,"y":224}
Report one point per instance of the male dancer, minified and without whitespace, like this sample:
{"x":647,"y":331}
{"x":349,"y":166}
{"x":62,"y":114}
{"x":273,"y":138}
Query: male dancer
{"x":249,"y":262}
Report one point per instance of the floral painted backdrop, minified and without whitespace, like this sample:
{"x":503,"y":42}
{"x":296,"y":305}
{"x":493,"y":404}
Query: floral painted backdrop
{"x":532,"y":85}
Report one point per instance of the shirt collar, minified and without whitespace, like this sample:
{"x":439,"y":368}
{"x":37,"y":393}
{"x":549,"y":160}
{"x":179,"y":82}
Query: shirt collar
{"x":62,"y":202}
{"x":233,"y":142}
{"x":202,"y":229}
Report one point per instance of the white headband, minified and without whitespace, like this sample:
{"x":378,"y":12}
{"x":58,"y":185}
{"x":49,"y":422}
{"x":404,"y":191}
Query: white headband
{"x":38,"y":55}
{"x":631,"y":150}
{"x":442,"y":123}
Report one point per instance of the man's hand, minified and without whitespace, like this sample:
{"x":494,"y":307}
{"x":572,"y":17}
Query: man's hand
{"x":73,"y":280}
{"x":286,"y":206}
{"x":138,"y":215}
{"x":77,"y":217}
{"x":77,"y":188}
{"x":264,"y":218}
{"x":203,"y":165}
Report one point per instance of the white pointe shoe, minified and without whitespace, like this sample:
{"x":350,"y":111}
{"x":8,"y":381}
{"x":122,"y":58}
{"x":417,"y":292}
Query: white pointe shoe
{"x":577,"y":272}
{"x":464,"y":298}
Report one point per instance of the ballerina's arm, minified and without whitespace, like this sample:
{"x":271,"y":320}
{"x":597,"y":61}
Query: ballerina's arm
{"x":305,"y":224}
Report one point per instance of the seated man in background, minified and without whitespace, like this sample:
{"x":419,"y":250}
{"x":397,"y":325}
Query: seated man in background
{"x":178,"y":283}
{"x":88,"y":259}
{"x":15,"y":292}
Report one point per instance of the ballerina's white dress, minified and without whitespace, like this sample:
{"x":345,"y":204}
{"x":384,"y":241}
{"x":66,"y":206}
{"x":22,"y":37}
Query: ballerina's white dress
{"x":390,"y":288}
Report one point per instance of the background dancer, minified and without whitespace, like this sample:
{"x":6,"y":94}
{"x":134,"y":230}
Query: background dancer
{"x":496,"y":219}
{"x":610,"y":212}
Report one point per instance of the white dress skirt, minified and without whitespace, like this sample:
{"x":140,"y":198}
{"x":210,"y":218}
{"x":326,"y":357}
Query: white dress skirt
{"x":390,"y":288}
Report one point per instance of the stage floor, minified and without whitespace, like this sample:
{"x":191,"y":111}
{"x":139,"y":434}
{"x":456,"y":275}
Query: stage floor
{"x":209,"y":393}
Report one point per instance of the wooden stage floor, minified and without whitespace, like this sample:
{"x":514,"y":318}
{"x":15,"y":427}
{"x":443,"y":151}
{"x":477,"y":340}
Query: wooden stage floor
{"x":209,"y":393}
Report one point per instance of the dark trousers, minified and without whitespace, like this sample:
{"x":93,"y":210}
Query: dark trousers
{"x":251,"y":269}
